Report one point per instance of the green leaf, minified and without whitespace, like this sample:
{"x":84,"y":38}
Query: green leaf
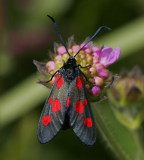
{"x":124,"y":143}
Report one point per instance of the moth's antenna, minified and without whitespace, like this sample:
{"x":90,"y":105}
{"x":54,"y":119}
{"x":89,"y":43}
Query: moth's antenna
{"x":102,"y":27}
{"x":58,"y":33}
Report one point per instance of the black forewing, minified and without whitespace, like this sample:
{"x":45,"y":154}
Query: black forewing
{"x":86,"y":134}
{"x":47,"y":132}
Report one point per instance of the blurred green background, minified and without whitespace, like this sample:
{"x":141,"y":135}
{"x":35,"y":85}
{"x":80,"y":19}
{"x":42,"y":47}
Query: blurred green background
{"x":26,"y":34}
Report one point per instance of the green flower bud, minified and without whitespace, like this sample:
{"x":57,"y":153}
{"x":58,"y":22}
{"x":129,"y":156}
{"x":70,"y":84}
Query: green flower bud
{"x":59,"y":64}
{"x":65,"y":57}
{"x":127,"y":97}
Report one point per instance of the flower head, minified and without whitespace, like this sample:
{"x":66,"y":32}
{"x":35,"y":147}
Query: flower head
{"x":95,"y":58}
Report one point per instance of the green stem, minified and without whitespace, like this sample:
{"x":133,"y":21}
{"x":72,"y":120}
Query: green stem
{"x":139,"y":137}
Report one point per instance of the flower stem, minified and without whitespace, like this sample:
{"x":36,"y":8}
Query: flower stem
{"x":139,"y":137}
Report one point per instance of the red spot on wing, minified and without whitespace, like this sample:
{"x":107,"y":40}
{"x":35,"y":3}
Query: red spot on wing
{"x":56,"y":106}
{"x":50,"y":100}
{"x":82,"y":79}
{"x":85,"y":102}
{"x":88,"y":122}
{"x":78,"y":83}
{"x":46,"y":120}
{"x":68,"y":101}
{"x":79,"y":107}
{"x":56,"y":78}
{"x":60,"y":82}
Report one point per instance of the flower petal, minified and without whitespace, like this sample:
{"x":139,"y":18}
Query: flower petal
{"x":114,"y":56}
{"x":96,"y":49}
{"x":85,"y":47}
{"x":105,"y":55}
{"x":88,"y":51}
{"x":108,"y":56}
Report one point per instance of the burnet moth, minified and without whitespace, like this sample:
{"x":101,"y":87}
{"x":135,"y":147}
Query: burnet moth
{"x":68,"y":105}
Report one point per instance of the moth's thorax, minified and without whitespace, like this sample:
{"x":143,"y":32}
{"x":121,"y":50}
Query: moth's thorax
{"x":70,"y":69}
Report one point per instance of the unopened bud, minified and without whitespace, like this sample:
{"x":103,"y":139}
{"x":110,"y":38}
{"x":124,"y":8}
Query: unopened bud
{"x":98,"y":81}
{"x":58,"y":58}
{"x":65,"y":57}
{"x":95,"y":91}
{"x":50,"y":66}
{"x":93,"y":71}
{"x":103,"y":73}
{"x":75,"y":48}
{"x":61,"y":50}
{"x":99,"y":66}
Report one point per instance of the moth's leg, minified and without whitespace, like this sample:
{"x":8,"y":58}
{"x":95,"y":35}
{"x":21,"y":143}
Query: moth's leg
{"x":44,"y":82}
{"x":83,"y":67}
{"x":85,"y":75}
{"x":87,"y":79}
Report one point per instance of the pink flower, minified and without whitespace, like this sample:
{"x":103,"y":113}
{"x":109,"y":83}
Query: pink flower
{"x":96,"y":49}
{"x":98,"y":81}
{"x":103,"y":73}
{"x":58,"y":58}
{"x":50,"y":66}
{"x":75,"y":48}
{"x":61,"y":50}
{"x":92,"y":58}
{"x":95,"y":60}
{"x":95,"y":91}
{"x":99,"y":66}
{"x":85,"y":47}
{"x":88,"y":50}
{"x":96,"y":55}
{"x":108,"y":56}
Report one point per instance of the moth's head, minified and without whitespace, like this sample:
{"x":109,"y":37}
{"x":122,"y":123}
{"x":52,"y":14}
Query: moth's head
{"x":71,"y":61}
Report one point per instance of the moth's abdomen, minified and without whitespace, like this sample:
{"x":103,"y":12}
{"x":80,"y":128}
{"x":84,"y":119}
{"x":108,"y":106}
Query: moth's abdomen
{"x":66,"y":123}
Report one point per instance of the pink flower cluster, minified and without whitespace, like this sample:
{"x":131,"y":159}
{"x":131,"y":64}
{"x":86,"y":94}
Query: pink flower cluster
{"x":98,"y":59}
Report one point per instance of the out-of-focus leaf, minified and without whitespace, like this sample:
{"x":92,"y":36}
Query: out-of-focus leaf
{"x":21,"y":99}
{"x":6,"y":64}
{"x":124,"y":143}
{"x":39,"y":10}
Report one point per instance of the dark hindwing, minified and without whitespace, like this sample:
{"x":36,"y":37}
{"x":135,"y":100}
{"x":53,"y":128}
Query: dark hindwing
{"x":81,"y":117}
{"x":53,"y":114}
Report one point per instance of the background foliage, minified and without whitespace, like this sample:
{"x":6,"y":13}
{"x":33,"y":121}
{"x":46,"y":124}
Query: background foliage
{"x":26,"y":34}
